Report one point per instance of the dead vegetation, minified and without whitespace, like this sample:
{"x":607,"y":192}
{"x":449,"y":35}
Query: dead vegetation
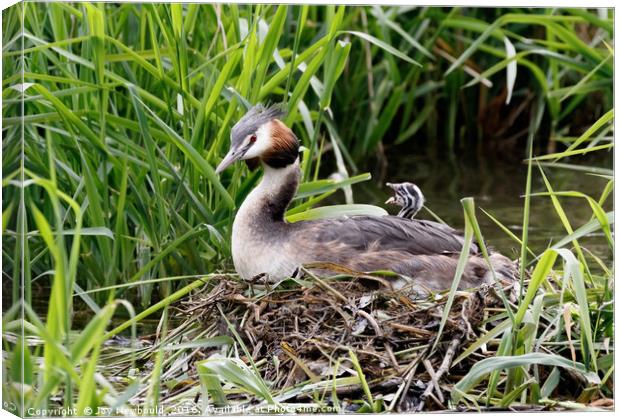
{"x":338,"y":344}
{"x":309,"y":328}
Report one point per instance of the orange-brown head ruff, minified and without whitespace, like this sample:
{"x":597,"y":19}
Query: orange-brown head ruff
{"x":283,"y":148}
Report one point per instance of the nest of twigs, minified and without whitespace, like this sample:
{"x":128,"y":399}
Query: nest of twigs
{"x":307,"y":327}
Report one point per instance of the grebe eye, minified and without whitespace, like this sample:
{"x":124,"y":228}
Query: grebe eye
{"x":253,"y":139}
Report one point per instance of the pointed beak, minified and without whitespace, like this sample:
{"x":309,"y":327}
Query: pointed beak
{"x":230,"y":158}
{"x":391,"y":200}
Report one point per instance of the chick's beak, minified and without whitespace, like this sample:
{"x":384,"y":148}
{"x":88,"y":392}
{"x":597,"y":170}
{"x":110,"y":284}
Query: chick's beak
{"x":232,"y":156}
{"x":391,"y":199}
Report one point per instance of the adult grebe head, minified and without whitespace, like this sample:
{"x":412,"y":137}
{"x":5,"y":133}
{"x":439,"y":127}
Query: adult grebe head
{"x":260,"y":136}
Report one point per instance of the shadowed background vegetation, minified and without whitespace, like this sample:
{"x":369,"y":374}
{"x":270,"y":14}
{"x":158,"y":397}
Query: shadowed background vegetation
{"x":122,"y":111}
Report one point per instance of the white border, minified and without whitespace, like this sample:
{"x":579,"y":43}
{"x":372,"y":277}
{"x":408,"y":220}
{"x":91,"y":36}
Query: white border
{"x":478,"y":3}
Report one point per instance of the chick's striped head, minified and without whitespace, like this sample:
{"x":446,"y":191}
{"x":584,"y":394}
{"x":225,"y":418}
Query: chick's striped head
{"x":408,"y":196}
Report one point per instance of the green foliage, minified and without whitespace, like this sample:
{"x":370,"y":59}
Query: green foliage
{"x":500,"y":51}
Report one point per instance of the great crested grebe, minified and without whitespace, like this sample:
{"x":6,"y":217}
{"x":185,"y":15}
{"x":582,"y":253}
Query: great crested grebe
{"x":408,"y":196}
{"x":264,"y":243}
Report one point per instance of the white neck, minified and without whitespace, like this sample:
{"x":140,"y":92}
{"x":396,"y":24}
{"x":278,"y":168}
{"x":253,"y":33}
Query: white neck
{"x":272,"y":195}
{"x":259,"y":230}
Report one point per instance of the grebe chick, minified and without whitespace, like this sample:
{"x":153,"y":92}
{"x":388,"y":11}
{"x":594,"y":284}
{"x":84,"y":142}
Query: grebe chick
{"x":263,"y":242}
{"x":408,"y":196}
